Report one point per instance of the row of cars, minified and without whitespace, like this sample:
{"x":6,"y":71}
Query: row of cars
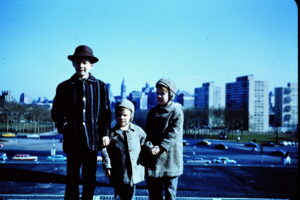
{"x":217,"y":146}
{"x":207,"y":143}
{"x":219,"y":160}
{"x":28,"y":157}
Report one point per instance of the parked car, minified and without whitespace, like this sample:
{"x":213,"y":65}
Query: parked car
{"x":204,"y":142}
{"x":287,"y":143}
{"x":224,"y":160}
{"x":8,"y":135}
{"x":279,"y":153}
{"x":33,"y":136}
{"x":223,"y":136}
{"x":199,"y":161}
{"x":24,"y":157}
{"x":186,"y":143}
{"x":3,"y":156}
{"x":57,"y":157}
{"x":251,"y":144}
{"x":221,"y":146}
{"x":268,"y":144}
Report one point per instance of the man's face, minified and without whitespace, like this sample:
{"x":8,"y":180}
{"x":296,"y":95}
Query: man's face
{"x":82,"y":67}
{"x":123,"y":117}
{"x":162,"y":96}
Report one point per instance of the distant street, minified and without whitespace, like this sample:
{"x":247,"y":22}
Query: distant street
{"x":254,"y":175}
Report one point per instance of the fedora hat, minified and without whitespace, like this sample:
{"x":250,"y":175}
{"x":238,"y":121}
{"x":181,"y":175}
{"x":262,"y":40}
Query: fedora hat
{"x":83,"y":51}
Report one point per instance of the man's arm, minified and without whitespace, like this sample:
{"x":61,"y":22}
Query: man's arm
{"x":57,"y":115}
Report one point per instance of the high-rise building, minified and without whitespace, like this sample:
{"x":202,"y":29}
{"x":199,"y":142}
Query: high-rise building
{"x":25,"y":99}
{"x":123,"y":90}
{"x":271,"y":109}
{"x":286,"y":105}
{"x":6,"y":97}
{"x":208,"y":96}
{"x":139,"y":99}
{"x":185,"y":99}
{"x":250,"y":96}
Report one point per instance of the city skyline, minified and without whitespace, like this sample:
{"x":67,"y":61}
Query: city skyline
{"x":191,"y":42}
{"x":127,"y":92}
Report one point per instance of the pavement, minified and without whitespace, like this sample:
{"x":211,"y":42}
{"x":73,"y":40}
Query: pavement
{"x":46,"y":180}
{"x":110,"y":197}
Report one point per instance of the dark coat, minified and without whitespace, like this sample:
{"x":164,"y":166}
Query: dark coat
{"x":164,"y":127}
{"x":81,"y":112}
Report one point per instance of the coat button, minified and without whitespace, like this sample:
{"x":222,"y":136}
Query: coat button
{"x":83,"y":99}
{"x":83,"y":123}
{"x":83,"y":110}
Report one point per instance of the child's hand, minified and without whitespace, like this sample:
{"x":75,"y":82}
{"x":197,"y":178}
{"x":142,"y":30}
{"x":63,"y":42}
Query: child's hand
{"x":108,"y":172}
{"x":105,"y":141}
{"x":155,"y":150}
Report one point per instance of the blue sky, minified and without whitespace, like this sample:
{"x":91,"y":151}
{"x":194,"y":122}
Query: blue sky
{"x":189,"y":41}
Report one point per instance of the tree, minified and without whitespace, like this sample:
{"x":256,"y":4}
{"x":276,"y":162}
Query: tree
{"x":217,"y":118}
{"x":236,"y":119}
{"x":14,"y":116}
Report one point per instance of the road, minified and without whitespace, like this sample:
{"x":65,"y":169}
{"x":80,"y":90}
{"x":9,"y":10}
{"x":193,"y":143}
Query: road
{"x":255,"y":176}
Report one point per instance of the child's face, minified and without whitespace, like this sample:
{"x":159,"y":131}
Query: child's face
{"x":162,"y":96}
{"x":82,"y":67}
{"x":123,"y":117}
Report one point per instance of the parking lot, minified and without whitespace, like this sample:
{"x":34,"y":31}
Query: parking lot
{"x":255,"y":175}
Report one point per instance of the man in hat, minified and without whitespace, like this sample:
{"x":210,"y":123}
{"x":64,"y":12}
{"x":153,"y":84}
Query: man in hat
{"x":81,"y":112}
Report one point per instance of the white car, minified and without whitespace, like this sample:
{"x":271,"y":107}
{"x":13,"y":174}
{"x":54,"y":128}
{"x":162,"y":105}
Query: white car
{"x":57,"y":157}
{"x":3,"y":156}
{"x":199,"y":161}
{"x":224,"y":160}
{"x":24,"y":157}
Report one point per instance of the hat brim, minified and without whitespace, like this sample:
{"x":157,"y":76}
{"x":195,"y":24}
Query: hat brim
{"x":92,"y":59}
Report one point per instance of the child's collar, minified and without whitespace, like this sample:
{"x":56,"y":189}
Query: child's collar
{"x":119,"y":130}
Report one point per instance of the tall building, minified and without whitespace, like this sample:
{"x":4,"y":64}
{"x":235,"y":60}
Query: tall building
{"x":208,"y":96}
{"x":286,"y":105}
{"x":250,"y":96}
{"x":25,"y":99}
{"x":150,"y":94}
{"x":6,"y":97}
{"x":139,"y":99}
{"x":185,"y":99}
{"x":271,"y":108}
{"x":123,"y":90}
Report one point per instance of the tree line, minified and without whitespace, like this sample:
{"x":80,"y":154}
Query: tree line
{"x":198,"y":118}
{"x":15,"y":117}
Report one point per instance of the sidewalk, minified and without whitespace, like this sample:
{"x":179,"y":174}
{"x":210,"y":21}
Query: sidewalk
{"x":110,"y":197}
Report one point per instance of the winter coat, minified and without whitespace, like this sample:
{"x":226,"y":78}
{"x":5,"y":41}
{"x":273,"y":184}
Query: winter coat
{"x":164,"y":127}
{"x":81,"y":112}
{"x":122,"y":155}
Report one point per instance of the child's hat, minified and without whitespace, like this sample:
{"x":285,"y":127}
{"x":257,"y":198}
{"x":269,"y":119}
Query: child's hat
{"x":126,"y":104}
{"x":83,"y":51}
{"x":168,"y":84}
